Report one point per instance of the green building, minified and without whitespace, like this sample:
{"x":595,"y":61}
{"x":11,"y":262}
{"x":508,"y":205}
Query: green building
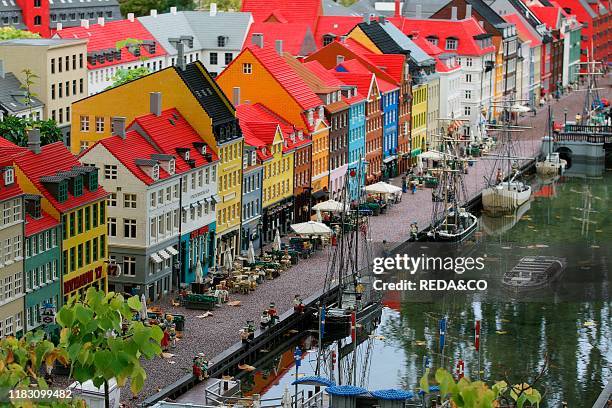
{"x":42,"y":262}
{"x":575,"y":33}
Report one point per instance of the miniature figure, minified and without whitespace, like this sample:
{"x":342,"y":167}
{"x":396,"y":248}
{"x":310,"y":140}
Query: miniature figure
{"x":298,"y":304}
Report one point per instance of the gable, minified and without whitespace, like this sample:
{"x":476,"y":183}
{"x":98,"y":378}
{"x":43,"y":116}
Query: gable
{"x":358,"y":35}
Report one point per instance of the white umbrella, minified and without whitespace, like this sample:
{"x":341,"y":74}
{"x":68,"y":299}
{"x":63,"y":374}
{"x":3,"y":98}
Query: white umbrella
{"x":143,"y":307}
{"x":330,"y":205}
{"x":319,"y":216}
{"x":311,"y":228}
{"x":431,"y":155}
{"x":382,"y":188}
{"x":277,"y":240}
{"x":251,"y":253}
{"x":520,"y":108}
{"x":199,"y":273}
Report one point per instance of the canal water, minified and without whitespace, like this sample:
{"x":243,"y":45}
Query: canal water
{"x":567,"y":328}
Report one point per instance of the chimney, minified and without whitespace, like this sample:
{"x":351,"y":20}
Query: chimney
{"x":257,"y":39}
{"x":2,"y":73}
{"x":118,"y":126}
{"x":173,"y":10}
{"x":468,"y":11}
{"x":339,"y":59}
{"x":236,"y":95}
{"x":130,"y":17}
{"x":418,"y":11}
{"x":366,"y":18}
{"x":213,"y":9}
{"x":180,"y":55}
{"x":34,"y":140}
{"x":155,"y":103}
{"x":398,"y":10}
{"x":101,"y":21}
{"x":85,"y":23}
{"x":59,"y":27}
{"x":153,"y":13}
{"x":381,"y":19}
{"x":279,"y":47}
{"x":453,"y":13}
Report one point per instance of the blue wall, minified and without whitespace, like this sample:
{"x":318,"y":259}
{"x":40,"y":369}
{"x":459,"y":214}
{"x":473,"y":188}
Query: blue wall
{"x":197,"y":245}
{"x":389,"y":102}
{"x":356,"y":147}
{"x":252,"y":180}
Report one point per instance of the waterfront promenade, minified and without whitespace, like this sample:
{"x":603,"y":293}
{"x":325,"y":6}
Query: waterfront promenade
{"x":213,"y":334}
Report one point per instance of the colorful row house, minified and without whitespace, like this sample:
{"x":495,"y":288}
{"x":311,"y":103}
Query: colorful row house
{"x":162,"y":180}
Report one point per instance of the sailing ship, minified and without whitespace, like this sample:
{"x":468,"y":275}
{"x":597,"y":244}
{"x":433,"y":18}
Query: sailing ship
{"x":349,"y":269}
{"x":534,"y":272}
{"x":450,"y":222}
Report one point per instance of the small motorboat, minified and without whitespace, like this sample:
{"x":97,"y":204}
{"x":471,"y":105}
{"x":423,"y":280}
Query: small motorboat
{"x":553,"y":165}
{"x":534,"y":272}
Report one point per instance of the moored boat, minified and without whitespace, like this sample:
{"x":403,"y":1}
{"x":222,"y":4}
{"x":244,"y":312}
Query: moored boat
{"x":534,"y":272}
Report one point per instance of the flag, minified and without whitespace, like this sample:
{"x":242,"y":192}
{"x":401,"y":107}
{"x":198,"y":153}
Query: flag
{"x":477,"y":335}
{"x":353,"y":326}
{"x":442,"y":333}
{"x":322,"y":322}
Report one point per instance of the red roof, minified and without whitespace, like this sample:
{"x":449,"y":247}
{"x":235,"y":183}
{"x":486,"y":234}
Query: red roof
{"x":105,"y":37}
{"x":434,"y":51}
{"x":36,"y":225}
{"x":392,"y":64}
{"x":324,"y":75}
{"x":523,"y":29}
{"x":463,"y":30}
{"x":12,"y":190}
{"x":294,"y":11}
{"x":162,"y":137}
{"x":284,"y":75}
{"x":294,"y":35}
{"x":356,"y":67}
{"x":335,"y":25}
{"x":53,"y":157}
{"x":548,"y":15}
{"x":362,"y":81}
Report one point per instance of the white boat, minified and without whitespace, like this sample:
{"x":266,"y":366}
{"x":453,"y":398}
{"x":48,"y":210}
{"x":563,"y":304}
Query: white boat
{"x":454,"y":228}
{"x":505,"y":197}
{"x":553,"y":165}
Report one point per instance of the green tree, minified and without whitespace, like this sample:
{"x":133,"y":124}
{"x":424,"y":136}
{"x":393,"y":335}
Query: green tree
{"x":11,"y":33}
{"x":223,"y":5}
{"x":15,"y":130}
{"x":103,"y":341}
{"x":29,"y":95}
{"x":140,"y":7}
{"x":21,"y":362}
{"x":123,"y":76}
{"x":49,"y":132}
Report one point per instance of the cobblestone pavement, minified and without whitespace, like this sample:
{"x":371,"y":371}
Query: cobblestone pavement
{"x":213,"y":334}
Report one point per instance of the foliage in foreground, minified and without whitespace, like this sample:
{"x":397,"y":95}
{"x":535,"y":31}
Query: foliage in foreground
{"x":12,"y":33}
{"x":15,"y":130}
{"x":123,"y":76}
{"x":103,"y":342}
{"x":476,"y":394}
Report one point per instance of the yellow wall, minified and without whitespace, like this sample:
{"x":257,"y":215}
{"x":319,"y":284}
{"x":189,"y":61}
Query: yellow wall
{"x":260,"y":87}
{"x":132,"y":100}
{"x":419,"y":117}
{"x":320,"y":157}
{"x":229,"y":183}
{"x":278,"y":173}
{"x":499,"y":74}
{"x":358,"y":35}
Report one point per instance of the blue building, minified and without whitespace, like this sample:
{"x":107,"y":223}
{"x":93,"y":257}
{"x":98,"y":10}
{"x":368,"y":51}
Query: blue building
{"x":356,"y":141}
{"x":389,"y":102}
{"x":252,"y":180}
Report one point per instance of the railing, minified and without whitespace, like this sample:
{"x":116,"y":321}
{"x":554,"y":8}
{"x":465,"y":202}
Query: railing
{"x":588,"y":129}
{"x":219,"y":393}
{"x":584,"y":138}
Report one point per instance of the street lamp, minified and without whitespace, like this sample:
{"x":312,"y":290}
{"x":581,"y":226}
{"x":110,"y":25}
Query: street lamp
{"x":260,"y":228}
{"x":565,"y":116}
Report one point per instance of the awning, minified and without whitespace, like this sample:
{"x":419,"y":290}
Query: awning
{"x":156,"y":258}
{"x":208,"y":199}
{"x":415,"y":152}
{"x":172,"y":251}
{"x":164,"y":254}
{"x":319,"y":194}
{"x":216,"y":198}
{"x":389,"y":159}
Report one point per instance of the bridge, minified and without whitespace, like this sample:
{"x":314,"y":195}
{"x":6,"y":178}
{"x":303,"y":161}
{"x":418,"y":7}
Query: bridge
{"x":580,"y":143}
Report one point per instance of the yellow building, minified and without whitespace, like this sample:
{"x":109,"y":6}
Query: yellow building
{"x":193,"y":92}
{"x":419,"y":119}
{"x":320,"y":158}
{"x":69,"y":193}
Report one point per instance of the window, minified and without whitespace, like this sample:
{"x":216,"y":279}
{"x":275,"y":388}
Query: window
{"x":84,"y":123}
{"x":112,"y":226}
{"x":155,"y":172}
{"x":221,"y":40}
{"x":247,"y":68}
{"x":110,"y":172}
{"x":467,"y":111}
{"x":451,"y":43}
{"x":129,"y":228}
{"x":129,"y":200}
{"x":468,"y":78}
{"x":468,"y":62}
{"x":79,"y":221}
{"x":468,"y":94}
{"x":53,"y":65}
{"x":99,"y":124}
{"x":81,"y":84}
{"x":228,"y":57}
{"x":153,"y":199}
{"x":52,"y":91}
{"x":129,"y":266}
{"x":112,"y":200}
{"x":214,"y":58}
{"x":9,"y":176}
{"x":87,"y":218}
{"x":37,"y":20}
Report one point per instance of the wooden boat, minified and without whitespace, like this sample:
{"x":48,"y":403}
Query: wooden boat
{"x":456,"y":227}
{"x":534,"y":272}
{"x":553,"y":165}
{"x":505,"y":197}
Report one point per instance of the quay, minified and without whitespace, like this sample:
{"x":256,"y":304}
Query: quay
{"x":217,"y":334}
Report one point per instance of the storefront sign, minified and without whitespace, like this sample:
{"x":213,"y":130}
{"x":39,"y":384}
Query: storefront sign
{"x":82,"y":280}
{"x":199,"y":231}
{"x":201,"y":193}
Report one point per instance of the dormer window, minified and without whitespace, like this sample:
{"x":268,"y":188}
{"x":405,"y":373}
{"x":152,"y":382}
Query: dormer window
{"x":245,"y":161}
{"x":432,"y":39}
{"x":155,"y":172}
{"x":186,"y":155}
{"x":32,"y":206}
{"x":451,"y":43}
{"x":9,"y":176}
{"x":78,"y":186}
{"x":172,"y":166}
{"x":62,"y":191}
{"x":253,"y":157}
{"x":222,"y":41}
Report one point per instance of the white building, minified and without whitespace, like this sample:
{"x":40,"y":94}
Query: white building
{"x":212,"y":37}
{"x":161,"y":212}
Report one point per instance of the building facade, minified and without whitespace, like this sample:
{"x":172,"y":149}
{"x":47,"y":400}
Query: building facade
{"x":61,"y":69}
{"x":252,"y":224}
